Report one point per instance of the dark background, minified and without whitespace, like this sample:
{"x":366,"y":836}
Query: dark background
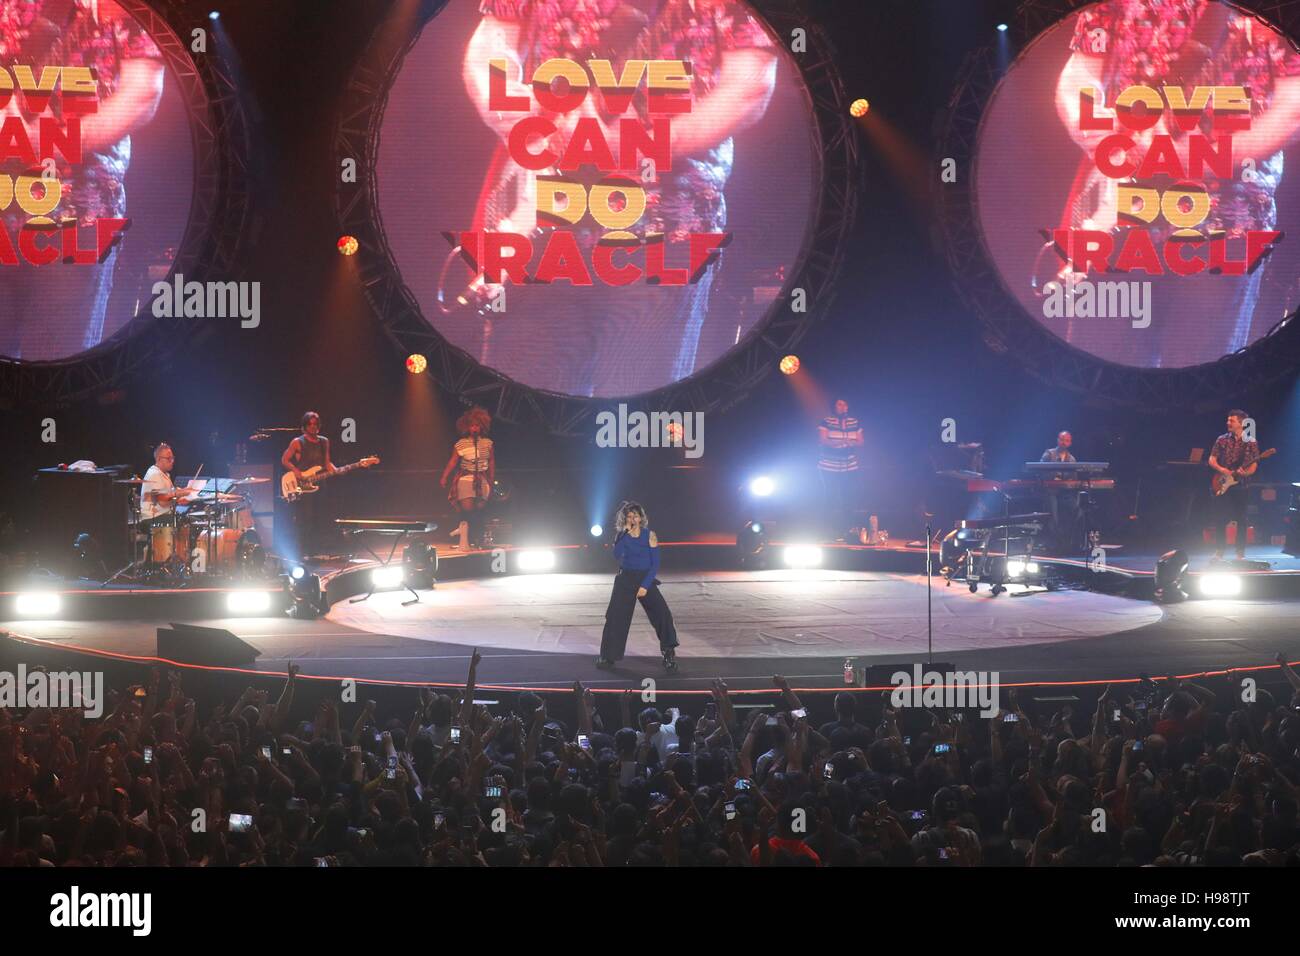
{"x":899,"y":343}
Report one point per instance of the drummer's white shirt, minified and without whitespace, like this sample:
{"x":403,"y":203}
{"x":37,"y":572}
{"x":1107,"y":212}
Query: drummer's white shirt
{"x":155,"y":479}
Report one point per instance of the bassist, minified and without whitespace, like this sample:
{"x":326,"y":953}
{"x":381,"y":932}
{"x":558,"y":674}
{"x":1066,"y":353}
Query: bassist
{"x":308,"y":513}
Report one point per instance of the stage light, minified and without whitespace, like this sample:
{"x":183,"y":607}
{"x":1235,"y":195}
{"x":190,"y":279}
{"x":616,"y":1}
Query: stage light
{"x":1218,"y":585}
{"x":535,"y":560}
{"x":802,"y":556}
{"x":416,"y":363}
{"x":388,"y":576}
{"x":762,"y":486}
{"x":214,"y":15}
{"x":751,"y":545}
{"x":597,"y":531}
{"x":789,"y":365}
{"x":420,"y":562}
{"x":1020,"y":567}
{"x":348,"y":245}
{"x":307,"y":599}
{"x":1170,"y":568}
{"x":248,"y":602}
{"x":87,"y":557}
{"x":298,"y":572}
{"x":1002,"y":28}
{"x":37,"y":604}
{"x":858,"y":108}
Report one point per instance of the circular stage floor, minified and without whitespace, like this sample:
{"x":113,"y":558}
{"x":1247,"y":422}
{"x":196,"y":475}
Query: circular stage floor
{"x":768,"y":614}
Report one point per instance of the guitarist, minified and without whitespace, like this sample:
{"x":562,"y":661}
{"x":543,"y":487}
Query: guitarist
{"x":1233,"y":456}
{"x":308,"y":512}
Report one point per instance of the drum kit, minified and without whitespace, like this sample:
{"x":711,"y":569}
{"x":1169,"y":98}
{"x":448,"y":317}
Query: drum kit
{"x":207,"y":535}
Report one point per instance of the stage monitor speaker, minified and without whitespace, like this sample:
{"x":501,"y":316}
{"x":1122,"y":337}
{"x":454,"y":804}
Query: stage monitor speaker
{"x":204,"y":646}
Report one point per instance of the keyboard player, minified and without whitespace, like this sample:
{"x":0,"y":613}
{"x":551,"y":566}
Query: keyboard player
{"x":1063,"y":505}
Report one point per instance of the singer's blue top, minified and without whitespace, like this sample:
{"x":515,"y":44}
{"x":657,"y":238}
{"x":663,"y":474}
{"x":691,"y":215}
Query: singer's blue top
{"x":636,"y":554}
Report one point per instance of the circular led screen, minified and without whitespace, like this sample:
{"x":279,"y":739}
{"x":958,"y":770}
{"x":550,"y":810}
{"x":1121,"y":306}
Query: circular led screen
{"x":1130,"y":180}
{"x":596,"y":197}
{"x":96,"y":175}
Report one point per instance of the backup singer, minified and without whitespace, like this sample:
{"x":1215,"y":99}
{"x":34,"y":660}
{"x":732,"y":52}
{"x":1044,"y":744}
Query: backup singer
{"x":1233,"y":456}
{"x":839,"y":434}
{"x":470,"y":473}
{"x":309,"y":512}
{"x":637,"y":551}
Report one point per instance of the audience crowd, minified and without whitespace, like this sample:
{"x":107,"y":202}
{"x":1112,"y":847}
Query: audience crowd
{"x":1165,"y":773}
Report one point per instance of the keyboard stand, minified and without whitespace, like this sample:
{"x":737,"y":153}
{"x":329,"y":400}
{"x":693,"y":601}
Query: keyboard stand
{"x":397,"y":536}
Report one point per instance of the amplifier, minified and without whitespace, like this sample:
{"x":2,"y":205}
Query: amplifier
{"x":70,"y":502}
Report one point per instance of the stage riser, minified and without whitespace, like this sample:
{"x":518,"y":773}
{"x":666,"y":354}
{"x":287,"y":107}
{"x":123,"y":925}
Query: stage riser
{"x":177,"y":605}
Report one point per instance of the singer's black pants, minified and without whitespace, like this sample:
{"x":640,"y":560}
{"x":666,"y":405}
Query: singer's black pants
{"x":618,"y":617}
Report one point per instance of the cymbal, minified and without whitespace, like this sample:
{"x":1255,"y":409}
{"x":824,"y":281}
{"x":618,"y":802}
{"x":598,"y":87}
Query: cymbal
{"x":128,"y":481}
{"x":250,"y":481}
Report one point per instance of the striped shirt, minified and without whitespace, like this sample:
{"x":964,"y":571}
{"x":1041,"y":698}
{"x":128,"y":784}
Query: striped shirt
{"x":839,"y":454}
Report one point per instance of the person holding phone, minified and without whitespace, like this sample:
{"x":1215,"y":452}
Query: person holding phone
{"x":637,"y":551}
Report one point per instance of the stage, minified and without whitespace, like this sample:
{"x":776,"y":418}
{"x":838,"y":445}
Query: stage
{"x":543,"y":630}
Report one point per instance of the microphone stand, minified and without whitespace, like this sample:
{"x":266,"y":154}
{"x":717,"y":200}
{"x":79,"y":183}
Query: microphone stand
{"x":929,"y":610}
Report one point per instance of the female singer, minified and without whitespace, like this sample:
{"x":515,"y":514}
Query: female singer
{"x":474,"y":465}
{"x":637,"y":551}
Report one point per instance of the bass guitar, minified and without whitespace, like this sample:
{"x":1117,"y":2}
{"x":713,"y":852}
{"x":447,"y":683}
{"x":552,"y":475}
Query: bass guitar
{"x":291,"y":488}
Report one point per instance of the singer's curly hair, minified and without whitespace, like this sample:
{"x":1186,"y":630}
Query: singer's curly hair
{"x":475,"y":416}
{"x":620,"y":519}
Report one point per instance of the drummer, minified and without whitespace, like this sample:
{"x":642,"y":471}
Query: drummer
{"x":158,"y":493}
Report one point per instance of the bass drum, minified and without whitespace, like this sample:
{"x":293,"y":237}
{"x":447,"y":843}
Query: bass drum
{"x":232,"y":552}
{"x":218,"y":550}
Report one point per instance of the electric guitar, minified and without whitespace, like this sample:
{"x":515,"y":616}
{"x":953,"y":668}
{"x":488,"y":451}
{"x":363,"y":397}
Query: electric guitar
{"x":1221,"y":483}
{"x":292,"y":489}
